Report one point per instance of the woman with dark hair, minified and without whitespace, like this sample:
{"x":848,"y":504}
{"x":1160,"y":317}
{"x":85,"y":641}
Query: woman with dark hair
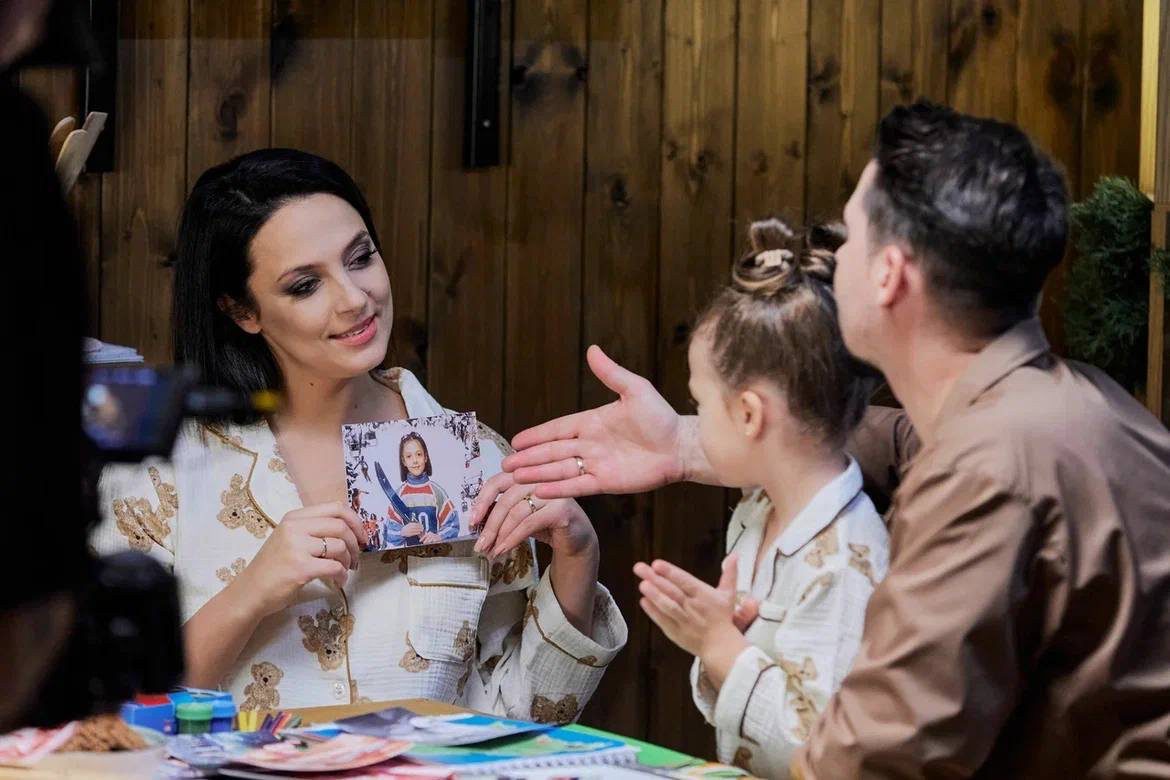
{"x":279,"y":283}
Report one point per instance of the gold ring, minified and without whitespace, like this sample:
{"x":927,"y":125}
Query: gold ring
{"x":580,"y":467}
{"x":531,"y":503}
{"x":324,"y":548}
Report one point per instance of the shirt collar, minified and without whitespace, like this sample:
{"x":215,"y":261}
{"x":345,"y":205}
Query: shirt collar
{"x":1015,"y":347}
{"x":821,"y":510}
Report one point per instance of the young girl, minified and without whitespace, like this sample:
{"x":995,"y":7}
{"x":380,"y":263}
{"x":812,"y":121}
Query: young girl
{"x":776,"y":394}
{"x":420,"y":511}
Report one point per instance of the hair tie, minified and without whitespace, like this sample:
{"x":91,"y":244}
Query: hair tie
{"x":774,"y":258}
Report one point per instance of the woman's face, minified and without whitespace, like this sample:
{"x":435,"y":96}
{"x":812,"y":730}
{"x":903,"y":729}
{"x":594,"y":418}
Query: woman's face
{"x":321,"y":292}
{"x":414,"y":459}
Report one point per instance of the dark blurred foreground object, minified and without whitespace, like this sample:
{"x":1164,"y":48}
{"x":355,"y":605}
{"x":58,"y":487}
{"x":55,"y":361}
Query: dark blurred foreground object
{"x":46,"y":32}
{"x":77,"y":634}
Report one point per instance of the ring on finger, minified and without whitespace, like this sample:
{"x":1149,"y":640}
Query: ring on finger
{"x":324,"y":548}
{"x":531,"y":503}
{"x":580,"y":466}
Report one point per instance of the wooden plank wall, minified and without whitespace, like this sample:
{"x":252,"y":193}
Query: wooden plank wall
{"x":640,"y":138}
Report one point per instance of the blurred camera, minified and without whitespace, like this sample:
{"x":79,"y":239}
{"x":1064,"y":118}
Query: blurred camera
{"x":133,"y":413}
{"x":127,"y":637}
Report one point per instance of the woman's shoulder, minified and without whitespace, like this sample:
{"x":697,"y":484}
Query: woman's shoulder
{"x":417,"y":399}
{"x":197,"y":444}
{"x":199,"y":441}
{"x":487,"y":434}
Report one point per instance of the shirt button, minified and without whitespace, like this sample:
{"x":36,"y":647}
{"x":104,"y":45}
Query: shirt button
{"x":338,"y":690}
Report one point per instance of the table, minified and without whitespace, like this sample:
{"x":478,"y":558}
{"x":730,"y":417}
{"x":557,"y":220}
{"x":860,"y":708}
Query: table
{"x":132,"y":765}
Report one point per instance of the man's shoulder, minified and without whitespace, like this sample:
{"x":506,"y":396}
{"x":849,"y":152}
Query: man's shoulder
{"x":1042,"y":418}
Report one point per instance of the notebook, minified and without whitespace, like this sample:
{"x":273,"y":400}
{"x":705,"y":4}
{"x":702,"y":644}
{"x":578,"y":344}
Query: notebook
{"x":457,"y":729}
{"x":556,"y":747}
{"x":650,"y":756}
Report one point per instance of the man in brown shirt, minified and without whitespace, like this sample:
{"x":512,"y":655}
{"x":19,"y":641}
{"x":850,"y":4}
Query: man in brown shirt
{"x":1023,"y":629}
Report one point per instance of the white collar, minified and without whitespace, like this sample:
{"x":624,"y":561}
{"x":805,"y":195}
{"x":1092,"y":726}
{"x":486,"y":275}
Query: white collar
{"x":265,"y":478}
{"x":822,"y":509}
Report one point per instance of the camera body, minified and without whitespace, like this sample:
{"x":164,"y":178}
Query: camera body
{"x":126,"y":637}
{"x":132,"y":413}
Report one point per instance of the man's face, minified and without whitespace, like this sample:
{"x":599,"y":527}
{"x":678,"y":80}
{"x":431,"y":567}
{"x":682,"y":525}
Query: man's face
{"x":855,"y":284}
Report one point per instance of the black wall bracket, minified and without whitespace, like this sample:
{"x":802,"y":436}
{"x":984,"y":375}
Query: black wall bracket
{"x":481,"y":108}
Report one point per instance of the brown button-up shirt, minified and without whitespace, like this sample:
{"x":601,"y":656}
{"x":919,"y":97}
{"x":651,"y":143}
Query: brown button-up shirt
{"x":1023,"y":630}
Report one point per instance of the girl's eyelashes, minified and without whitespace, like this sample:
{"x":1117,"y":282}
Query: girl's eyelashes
{"x":691,"y":400}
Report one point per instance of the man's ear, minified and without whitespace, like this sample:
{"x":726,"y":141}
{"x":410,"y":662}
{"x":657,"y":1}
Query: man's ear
{"x":242,"y":315}
{"x":891,"y":269}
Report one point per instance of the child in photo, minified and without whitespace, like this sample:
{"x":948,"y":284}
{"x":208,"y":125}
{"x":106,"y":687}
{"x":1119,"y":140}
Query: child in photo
{"x":421,"y":512}
{"x":776,"y":394}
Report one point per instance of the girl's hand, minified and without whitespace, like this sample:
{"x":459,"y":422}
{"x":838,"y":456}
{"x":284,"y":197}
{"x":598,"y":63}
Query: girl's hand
{"x":695,"y":616}
{"x":746,"y":614}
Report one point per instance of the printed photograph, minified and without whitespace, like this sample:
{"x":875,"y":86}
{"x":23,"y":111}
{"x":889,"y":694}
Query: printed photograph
{"x":412,"y":481}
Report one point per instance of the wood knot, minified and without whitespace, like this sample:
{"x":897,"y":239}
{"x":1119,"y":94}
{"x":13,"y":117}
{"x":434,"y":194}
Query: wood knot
{"x":618,"y":195}
{"x":759,"y":162}
{"x":991,"y":18}
{"x":824,"y":82}
{"x":227,"y":115}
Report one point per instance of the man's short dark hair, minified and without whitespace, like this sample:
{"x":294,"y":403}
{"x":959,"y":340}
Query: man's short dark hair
{"x":983,"y":211}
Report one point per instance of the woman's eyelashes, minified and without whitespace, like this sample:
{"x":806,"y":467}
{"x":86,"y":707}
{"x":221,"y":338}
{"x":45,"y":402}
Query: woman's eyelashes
{"x":363,"y":258}
{"x":307,"y":285}
{"x":302,"y":288}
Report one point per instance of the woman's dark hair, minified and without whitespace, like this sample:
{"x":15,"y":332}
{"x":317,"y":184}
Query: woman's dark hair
{"x":412,"y":436}
{"x":984,"y":211}
{"x":226,"y":208}
{"x":778,"y":321}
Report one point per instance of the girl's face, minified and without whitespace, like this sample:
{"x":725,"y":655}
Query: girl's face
{"x":414,"y":459}
{"x":733,"y":424}
{"x":321,"y":292}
